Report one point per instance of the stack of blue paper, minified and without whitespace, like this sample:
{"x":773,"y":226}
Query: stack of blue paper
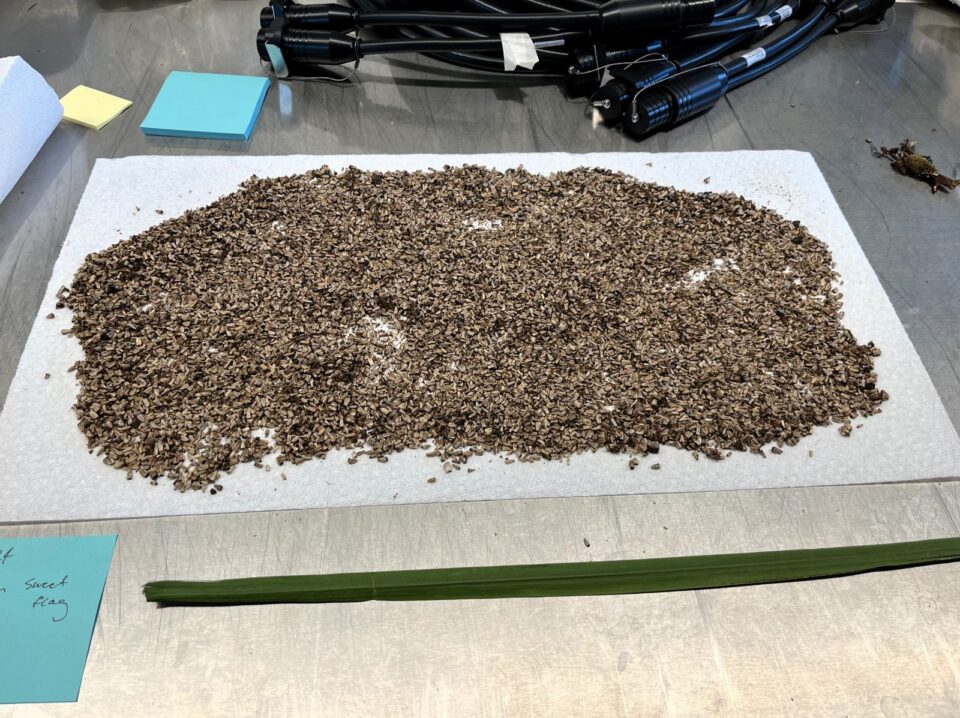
{"x":206,"y":105}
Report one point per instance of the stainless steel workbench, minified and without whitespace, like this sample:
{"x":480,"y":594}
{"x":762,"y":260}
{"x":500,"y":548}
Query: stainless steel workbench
{"x":882,"y":644}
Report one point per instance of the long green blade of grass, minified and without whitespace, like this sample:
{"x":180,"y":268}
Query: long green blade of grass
{"x":560,"y":579}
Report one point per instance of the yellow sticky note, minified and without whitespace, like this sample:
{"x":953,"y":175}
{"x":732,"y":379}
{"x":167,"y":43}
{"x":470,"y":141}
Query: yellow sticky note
{"x":91,"y":108}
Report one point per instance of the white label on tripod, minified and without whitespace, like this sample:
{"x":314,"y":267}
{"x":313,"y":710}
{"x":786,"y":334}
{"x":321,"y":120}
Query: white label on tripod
{"x":754,"y":56}
{"x":783,"y":12}
{"x":518,"y":51}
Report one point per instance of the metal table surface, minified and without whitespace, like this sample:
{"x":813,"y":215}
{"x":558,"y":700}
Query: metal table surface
{"x":881,"y":644}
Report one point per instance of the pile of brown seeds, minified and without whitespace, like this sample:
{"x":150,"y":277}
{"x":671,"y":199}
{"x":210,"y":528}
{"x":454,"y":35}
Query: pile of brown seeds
{"x":467,"y":309}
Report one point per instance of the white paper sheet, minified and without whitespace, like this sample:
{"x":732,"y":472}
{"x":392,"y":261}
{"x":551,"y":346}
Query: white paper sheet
{"x":29,"y":111}
{"x":46,"y":473}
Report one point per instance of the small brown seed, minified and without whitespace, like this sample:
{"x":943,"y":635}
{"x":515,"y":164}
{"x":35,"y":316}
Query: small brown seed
{"x":468,"y":310}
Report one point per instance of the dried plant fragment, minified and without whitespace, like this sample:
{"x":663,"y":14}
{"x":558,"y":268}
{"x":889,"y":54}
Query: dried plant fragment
{"x":907,"y":161}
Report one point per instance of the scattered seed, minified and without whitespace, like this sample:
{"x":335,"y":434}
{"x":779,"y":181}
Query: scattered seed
{"x":633,"y":464}
{"x":655,"y":467}
{"x":466,"y":309}
{"x":51,"y":315}
{"x":432,"y":480}
{"x":586,"y":543}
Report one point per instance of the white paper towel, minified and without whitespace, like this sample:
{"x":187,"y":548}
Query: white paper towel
{"x":46,"y":473}
{"x":29,"y":111}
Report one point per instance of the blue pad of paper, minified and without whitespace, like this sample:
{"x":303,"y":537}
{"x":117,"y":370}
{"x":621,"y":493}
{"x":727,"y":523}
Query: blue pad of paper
{"x":50,"y":591}
{"x":205,"y":105}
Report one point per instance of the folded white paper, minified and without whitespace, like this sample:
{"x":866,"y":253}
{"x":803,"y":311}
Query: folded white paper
{"x":29,"y":111}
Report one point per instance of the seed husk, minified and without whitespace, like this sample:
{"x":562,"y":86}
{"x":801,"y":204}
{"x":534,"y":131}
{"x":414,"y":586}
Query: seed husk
{"x":466,"y":309}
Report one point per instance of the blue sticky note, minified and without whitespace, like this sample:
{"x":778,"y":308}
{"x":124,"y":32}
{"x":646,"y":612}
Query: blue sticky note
{"x":205,"y":105}
{"x":50,"y":591}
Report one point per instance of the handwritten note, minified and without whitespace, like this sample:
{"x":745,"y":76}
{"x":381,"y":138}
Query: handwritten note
{"x":50,"y":591}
